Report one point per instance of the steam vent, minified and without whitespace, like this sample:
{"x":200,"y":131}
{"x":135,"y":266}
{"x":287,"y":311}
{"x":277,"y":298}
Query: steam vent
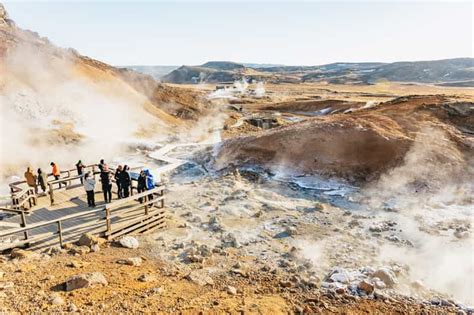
{"x":161,"y":180}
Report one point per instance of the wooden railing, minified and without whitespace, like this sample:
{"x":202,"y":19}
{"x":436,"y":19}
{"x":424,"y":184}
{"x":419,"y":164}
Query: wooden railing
{"x":150,"y":198}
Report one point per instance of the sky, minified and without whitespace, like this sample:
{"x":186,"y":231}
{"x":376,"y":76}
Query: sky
{"x":292,"y":33}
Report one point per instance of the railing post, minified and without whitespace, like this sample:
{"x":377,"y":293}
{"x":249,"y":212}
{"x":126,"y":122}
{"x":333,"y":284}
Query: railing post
{"x":29,"y":199}
{"x":23,"y":224}
{"x":51,"y":193}
{"x":108,"y":223}
{"x":60,"y":232}
{"x":162,"y":193}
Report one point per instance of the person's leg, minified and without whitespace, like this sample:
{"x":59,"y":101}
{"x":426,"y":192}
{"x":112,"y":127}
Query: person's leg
{"x":104,"y":191}
{"x":125,"y":191}
{"x":56,"y":177}
{"x":139,"y":190}
{"x":110,"y":193}
{"x":93,"y":198}
{"x":89,"y":198}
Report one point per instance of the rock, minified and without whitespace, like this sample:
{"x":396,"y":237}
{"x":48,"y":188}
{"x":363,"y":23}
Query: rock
{"x":230,"y":241}
{"x":95,"y":248}
{"x":214,"y":224}
{"x":56,"y":299}
{"x":158,"y":290}
{"x":24,"y":254}
{"x":2,"y":274}
{"x":291,"y":231}
{"x":231,"y":290}
{"x":89,"y":240}
{"x":76,"y":264}
{"x":286,"y":284}
{"x":129,"y":242}
{"x":200,"y":278}
{"x":146,"y":278}
{"x":132,"y":261}
{"x":80,"y":250}
{"x":318,"y":206}
{"x":379,"y":284}
{"x":6,"y":285}
{"x":386,"y":275}
{"x":72,"y":308}
{"x":340,"y":275}
{"x":366,"y":286}
{"x":85,"y":280}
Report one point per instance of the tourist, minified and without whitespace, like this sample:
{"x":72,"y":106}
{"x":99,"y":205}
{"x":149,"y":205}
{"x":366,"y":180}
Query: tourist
{"x":42,"y":179}
{"x":31,"y":179}
{"x":80,"y":169}
{"x":125,"y":181}
{"x":141,"y":186}
{"x":150,"y":182}
{"x":101,"y":165}
{"x":118,"y":171}
{"x":106,"y":184}
{"x":56,"y":172}
{"x":89,"y":185}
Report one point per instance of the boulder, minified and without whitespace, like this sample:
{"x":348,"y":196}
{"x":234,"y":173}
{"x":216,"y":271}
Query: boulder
{"x":129,"y":242}
{"x":132,"y":261}
{"x":85,"y":280}
{"x":80,"y":250}
{"x":386,"y":275}
{"x":231,"y":290}
{"x":95,"y":248}
{"x":56,"y":299}
{"x":6,"y":285}
{"x":146,"y":278}
{"x":230,"y":241}
{"x":291,"y":231}
{"x":24,"y":254}
{"x":341,"y":275}
{"x":366,"y":286}
{"x":200,"y":278}
{"x":88,"y":239}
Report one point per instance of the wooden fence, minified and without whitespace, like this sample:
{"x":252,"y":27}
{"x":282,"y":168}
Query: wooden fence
{"x":151,"y":218}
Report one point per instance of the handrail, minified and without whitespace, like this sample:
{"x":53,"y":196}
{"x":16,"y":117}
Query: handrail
{"x":107,"y":208}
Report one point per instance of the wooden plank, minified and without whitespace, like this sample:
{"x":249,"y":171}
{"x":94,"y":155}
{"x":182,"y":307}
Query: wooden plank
{"x":154,"y":228}
{"x":150,"y":225}
{"x":129,"y":230}
{"x":130,"y":226}
{"x":127,"y":224}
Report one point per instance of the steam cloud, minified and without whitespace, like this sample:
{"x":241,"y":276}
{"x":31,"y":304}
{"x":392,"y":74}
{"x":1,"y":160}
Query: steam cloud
{"x":51,"y":110}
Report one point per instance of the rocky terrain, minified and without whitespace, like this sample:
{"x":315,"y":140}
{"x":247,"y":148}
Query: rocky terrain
{"x":297,"y":194}
{"x":238,"y":242}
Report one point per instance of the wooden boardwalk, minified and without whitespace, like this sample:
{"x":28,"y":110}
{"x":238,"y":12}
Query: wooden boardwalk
{"x":46,"y":224}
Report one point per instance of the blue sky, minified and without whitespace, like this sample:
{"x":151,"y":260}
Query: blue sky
{"x":306,"y":33}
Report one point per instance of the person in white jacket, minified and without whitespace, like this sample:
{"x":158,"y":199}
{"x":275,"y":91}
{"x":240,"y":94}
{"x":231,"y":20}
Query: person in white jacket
{"x":89,"y":185}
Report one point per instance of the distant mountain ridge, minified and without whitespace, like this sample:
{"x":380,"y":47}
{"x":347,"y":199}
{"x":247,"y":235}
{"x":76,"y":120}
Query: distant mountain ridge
{"x":456,"y":71}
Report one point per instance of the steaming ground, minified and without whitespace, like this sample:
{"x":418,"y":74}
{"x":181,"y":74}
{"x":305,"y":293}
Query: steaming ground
{"x":277,"y":222}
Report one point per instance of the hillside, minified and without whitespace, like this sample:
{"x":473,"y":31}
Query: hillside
{"x":50,"y":95}
{"x":380,"y":139}
{"x":213,"y":72}
{"x":454,"y":72}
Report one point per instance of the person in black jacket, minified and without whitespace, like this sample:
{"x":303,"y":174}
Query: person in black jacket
{"x":141,"y":186}
{"x":106,"y":184}
{"x":125,"y":181}
{"x":80,"y":169}
{"x":118,"y":171}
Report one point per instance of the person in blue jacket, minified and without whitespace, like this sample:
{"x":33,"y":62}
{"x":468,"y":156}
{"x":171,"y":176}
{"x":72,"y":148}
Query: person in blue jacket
{"x":150,"y":182}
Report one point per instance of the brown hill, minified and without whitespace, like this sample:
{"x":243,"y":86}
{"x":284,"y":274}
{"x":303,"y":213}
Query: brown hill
{"x":360,"y":145}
